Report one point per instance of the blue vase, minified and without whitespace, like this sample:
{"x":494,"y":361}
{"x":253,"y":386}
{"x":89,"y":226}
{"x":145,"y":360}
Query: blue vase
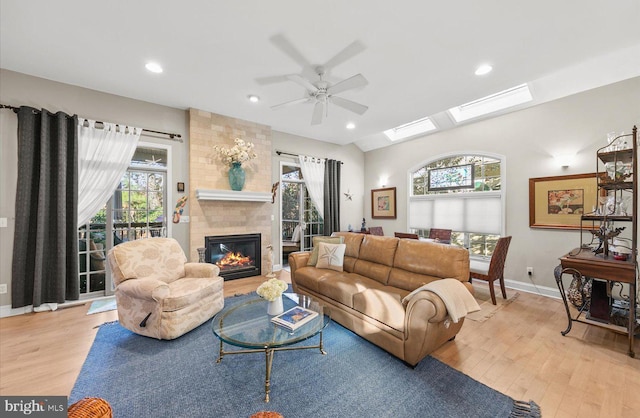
{"x":236,"y":176}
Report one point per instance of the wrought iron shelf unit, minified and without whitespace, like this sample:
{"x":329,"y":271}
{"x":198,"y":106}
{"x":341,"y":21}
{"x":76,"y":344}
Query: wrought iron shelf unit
{"x":617,"y":183}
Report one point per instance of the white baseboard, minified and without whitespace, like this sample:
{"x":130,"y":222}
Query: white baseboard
{"x":550,"y":292}
{"x":6,"y":310}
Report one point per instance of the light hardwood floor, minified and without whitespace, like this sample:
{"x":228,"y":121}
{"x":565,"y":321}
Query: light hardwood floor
{"x":519,"y":352}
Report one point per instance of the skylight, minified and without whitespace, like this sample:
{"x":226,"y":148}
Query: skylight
{"x":489,"y":104}
{"x":407,"y":130}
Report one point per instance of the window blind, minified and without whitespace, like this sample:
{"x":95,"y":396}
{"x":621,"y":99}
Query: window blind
{"x":474,"y":212}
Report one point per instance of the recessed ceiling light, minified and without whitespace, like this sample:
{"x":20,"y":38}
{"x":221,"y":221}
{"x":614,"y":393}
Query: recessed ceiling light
{"x":153,"y":67}
{"x":253,"y":98}
{"x":351,"y":125}
{"x":484,"y":69}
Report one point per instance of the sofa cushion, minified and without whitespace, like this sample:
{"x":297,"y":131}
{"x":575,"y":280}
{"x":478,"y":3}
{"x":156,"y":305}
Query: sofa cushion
{"x":309,"y":277}
{"x":313,"y":259}
{"x":376,"y":257}
{"x":353,"y":241}
{"x":430,"y":261}
{"x":382,"y":304}
{"x":342,"y":286}
{"x":330,"y":256}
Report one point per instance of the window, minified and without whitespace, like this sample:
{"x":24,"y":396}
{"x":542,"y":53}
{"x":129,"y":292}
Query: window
{"x":137,"y":209}
{"x":468,"y":203}
{"x":492,"y":103}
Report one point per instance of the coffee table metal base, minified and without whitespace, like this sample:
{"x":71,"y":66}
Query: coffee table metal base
{"x":269,"y":359}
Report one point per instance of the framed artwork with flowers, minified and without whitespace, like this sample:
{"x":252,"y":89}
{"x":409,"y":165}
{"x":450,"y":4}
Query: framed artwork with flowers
{"x":557,"y":202}
{"x":383,"y":203}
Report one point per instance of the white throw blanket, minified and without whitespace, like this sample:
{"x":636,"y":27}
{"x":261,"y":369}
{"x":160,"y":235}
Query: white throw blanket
{"x":456,"y":297}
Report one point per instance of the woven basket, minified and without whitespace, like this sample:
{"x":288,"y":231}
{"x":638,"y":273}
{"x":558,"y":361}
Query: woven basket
{"x":266,"y":414}
{"x":90,"y":408}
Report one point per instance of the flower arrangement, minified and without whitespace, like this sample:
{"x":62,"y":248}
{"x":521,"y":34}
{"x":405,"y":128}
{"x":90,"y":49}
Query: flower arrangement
{"x":272,"y":289}
{"x":241,"y":152}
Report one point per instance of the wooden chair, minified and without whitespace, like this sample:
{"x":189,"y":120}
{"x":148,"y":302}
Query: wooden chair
{"x":440,"y":235}
{"x":376,"y":230}
{"x":405,"y":235}
{"x":496,"y":268}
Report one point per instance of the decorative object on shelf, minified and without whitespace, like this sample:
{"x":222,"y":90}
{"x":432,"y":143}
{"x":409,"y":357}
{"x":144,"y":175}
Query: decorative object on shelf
{"x":274,"y":190}
{"x":241,"y":152}
{"x":620,"y":248}
{"x":236,"y":177}
{"x":179,"y":208}
{"x":364,"y":225}
{"x":201,"y":254}
{"x":272,"y":290}
{"x":383,"y":203}
{"x":557,"y":202}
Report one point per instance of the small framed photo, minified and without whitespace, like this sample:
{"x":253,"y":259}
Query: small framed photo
{"x":383,"y":203}
{"x":180,"y":187}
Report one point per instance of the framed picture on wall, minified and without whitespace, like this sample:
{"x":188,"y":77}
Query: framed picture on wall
{"x":558,"y":202}
{"x":383,"y":203}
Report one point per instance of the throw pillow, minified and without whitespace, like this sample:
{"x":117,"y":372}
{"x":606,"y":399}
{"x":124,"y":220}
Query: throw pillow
{"x":331,"y":256}
{"x":313,"y":259}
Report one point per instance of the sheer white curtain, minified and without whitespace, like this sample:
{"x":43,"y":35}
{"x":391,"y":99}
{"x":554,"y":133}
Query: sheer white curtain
{"x":103,"y":157}
{"x":313,"y":174}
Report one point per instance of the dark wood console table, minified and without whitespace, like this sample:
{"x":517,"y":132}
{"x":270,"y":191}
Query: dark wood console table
{"x":585,"y":263}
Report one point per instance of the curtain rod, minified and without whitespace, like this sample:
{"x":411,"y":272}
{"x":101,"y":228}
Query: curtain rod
{"x":173,"y":137}
{"x":295,"y":155}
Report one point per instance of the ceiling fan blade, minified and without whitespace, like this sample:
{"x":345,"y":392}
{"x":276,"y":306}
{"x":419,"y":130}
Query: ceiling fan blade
{"x":356,"y":81}
{"x":318,"y":109}
{"x":303,"y":82}
{"x":289,"y":103}
{"x":287,"y":47}
{"x":347,"y":53}
{"x":349,"y":105}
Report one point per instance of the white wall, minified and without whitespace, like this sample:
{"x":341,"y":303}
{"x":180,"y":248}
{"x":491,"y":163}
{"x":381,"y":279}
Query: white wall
{"x":529,"y":139}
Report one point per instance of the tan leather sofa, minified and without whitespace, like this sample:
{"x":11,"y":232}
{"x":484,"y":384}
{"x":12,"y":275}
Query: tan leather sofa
{"x":367,"y":297}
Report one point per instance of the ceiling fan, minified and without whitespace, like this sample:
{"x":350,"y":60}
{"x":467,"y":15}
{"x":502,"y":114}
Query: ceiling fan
{"x":321,"y":93}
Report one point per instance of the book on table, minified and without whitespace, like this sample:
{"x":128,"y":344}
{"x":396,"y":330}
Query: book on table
{"x":294,"y":318}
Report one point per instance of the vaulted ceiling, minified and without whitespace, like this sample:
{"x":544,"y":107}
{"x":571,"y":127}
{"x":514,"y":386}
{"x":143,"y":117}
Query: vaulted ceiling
{"x":418,"y":57}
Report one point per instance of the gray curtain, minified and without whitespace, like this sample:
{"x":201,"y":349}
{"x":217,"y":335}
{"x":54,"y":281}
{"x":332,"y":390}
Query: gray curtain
{"x":45,"y":246}
{"x":331,"y":196}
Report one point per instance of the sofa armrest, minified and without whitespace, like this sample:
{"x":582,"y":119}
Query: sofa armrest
{"x":201,"y":270}
{"x":146,"y":289}
{"x":429,"y":303}
{"x":298,"y":260}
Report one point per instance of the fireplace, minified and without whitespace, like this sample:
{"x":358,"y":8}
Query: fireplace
{"x":237,"y":255}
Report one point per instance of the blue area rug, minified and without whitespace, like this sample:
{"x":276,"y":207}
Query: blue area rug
{"x":143,"y":377}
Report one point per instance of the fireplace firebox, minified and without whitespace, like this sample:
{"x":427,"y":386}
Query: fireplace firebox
{"x":237,"y":256}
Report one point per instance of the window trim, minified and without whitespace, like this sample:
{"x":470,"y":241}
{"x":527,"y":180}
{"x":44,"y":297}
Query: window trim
{"x":502,"y":192}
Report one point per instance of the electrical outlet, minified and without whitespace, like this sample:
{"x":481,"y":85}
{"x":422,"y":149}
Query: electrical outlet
{"x":3,"y":222}
{"x":184,"y":219}
{"x":3,"y":288}
{"x":530,"y":271}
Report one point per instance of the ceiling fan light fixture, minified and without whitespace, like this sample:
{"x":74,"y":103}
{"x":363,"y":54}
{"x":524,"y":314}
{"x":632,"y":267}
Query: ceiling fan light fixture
{"x":154,"y":67}
{"x":483,"y":69}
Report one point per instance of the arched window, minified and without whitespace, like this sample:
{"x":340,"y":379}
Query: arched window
{"x":464,"y":193}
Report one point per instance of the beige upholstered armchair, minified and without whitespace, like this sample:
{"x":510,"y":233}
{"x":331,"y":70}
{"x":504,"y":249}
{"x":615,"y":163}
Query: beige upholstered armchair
{"x":158,"y":293}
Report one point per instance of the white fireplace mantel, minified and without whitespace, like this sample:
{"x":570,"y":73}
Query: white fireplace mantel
{"x":207,"y":194}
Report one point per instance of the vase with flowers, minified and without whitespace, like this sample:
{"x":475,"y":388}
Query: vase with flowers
{"x":272,"y":290}
{"x":241,"y":152}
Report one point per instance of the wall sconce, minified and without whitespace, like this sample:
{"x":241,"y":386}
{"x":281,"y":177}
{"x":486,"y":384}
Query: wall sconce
{"x":383,"y":181}
{"x":565,"y":160}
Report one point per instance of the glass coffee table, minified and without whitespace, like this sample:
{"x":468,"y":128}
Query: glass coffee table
{"x":248,"y":326}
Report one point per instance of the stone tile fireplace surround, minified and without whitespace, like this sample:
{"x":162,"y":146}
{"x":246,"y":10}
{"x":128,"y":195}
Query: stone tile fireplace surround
{"x":210,"y":215}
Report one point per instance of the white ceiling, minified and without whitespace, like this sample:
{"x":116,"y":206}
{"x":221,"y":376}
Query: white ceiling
{"x":418,"y":56}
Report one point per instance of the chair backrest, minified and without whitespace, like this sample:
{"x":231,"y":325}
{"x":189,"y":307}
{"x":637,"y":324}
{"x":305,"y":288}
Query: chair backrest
{"x":160,"y":258}
{"x":443,"y":235}
{"x":405,"y":235}
{"x":496,"y":267}
{"x":376,"y":230}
